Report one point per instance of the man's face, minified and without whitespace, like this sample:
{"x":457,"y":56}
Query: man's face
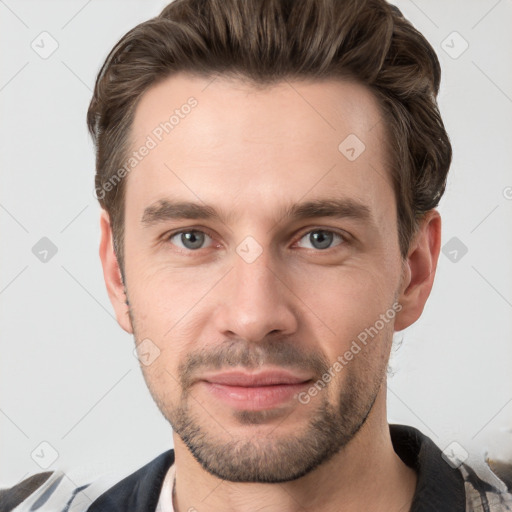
{"x":256,"y":252}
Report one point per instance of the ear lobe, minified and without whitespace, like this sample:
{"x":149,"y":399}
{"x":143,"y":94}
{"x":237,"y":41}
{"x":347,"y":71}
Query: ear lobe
{"x":112,"y":274}
{"x":419,"y":270}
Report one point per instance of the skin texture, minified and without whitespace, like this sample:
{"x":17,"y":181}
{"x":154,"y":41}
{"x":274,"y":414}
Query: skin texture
{"x":250,"y":153}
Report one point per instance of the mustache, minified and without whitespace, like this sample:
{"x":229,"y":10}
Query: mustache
{"x":251,"y":355}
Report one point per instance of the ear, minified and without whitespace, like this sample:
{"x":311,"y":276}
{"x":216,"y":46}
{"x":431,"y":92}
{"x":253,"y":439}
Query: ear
{"x":419,"y":270}
{"x":112,"y":274}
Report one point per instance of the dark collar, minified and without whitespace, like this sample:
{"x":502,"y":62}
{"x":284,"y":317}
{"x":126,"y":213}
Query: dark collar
{"x":440,"y":488}
{"x":138,"y":492}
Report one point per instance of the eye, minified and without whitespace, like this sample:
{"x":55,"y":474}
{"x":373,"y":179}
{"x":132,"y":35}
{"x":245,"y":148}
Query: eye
{"x":320,"y":239}
{"x":190,"y":240}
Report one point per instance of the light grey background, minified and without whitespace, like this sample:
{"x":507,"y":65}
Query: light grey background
{"x":68,"y":375}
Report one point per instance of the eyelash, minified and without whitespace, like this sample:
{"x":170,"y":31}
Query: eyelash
{"x":345,"y":239}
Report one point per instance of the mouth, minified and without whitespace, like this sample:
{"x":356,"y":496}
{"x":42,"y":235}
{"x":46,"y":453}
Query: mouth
{"x":255,"y":391}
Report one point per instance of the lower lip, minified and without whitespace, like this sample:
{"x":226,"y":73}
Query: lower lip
{"x":255,"y":398}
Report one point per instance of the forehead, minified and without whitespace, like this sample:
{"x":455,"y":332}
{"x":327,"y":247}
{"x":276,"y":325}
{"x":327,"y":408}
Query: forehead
{"x":222,"y":140}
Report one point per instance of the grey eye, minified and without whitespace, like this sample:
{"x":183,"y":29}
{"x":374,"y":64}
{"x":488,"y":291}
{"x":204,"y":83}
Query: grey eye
{"x":191,"y":240}
{"x":321,"y":239}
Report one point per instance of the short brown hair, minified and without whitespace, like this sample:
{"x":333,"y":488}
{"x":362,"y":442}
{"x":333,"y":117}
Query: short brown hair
{"x":267,"y":41}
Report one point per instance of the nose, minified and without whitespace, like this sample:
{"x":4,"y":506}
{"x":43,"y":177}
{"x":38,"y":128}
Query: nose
{"x":255,"y":302}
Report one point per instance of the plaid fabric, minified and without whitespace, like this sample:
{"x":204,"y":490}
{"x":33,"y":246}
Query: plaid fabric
{"x":481,"y":496}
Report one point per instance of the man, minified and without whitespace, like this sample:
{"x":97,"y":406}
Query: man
{"x":268,"y":173}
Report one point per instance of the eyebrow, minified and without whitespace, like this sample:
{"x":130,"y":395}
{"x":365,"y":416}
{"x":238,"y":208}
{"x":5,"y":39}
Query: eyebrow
{"x":164,"y":210}
{"x":337,"y":208}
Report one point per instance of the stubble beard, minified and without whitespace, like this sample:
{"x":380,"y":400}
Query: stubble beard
{"x":269,"y":459}
{"x":278,"y":458}
{"x":284,"y":454}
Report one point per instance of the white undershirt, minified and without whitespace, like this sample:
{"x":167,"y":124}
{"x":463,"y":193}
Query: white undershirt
{"x":165,"y":500}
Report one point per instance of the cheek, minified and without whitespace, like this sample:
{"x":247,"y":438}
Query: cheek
{"x":344,"y":308}
{"x":168,"y":309}
{"x":164,"y":300}
{"x":163,"y":385}
{"x":346,"y":300}
{"x":358,"y":361}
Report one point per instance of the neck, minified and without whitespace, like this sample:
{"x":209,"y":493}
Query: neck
{"x":366,"y":474}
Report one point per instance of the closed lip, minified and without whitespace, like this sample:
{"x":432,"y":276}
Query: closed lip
{"x":258,"y":379}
